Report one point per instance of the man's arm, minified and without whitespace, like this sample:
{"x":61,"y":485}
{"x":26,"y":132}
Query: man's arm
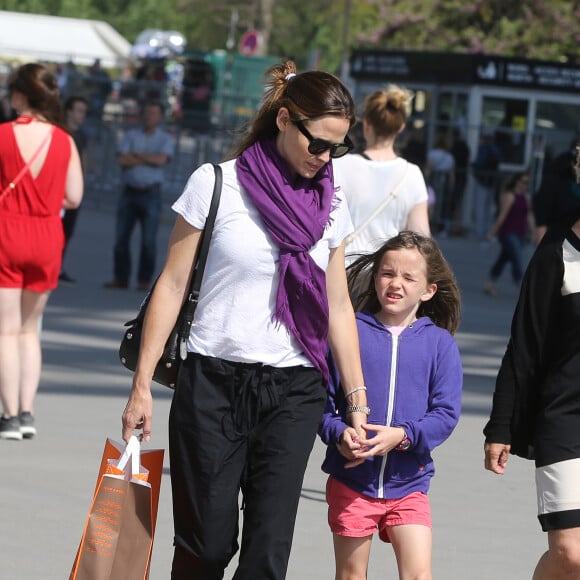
{"x":128,"y":159}
{"x":135,"y":158}
{"x":156,"y":159}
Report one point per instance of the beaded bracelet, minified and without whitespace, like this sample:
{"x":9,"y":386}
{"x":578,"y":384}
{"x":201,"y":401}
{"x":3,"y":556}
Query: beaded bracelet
{"x":363,"y":388}
{"x":358,"y":409}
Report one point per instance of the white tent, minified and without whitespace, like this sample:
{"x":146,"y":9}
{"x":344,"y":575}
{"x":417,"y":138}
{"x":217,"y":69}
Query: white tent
{"x":27,"y":37}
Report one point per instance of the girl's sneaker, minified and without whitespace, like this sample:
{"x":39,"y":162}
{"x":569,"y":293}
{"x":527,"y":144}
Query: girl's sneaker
{"x":10,"y":428}
{"x":27,"y":428}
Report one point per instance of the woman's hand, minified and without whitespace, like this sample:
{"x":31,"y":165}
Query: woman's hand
{"x":138,"y":413}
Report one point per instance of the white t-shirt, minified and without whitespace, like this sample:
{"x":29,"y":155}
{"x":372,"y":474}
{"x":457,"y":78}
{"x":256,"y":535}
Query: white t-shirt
{"x":366,"y":184}
{"x":233,"y":319}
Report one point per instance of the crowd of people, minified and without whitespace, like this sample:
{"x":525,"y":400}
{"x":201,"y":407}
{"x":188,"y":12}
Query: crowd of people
{"x":326,"y":307}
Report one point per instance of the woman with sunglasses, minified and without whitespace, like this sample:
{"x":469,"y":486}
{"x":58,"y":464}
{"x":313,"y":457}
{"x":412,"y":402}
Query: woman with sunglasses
{"x":385,"y":193}
{"x":251,"y":393}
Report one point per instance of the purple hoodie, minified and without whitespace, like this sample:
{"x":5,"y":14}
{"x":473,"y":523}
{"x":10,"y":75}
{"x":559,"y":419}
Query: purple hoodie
{"x":413,"y":381}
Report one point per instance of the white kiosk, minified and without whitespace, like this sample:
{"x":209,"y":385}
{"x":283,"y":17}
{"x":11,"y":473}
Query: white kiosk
{"x":532,"y":107}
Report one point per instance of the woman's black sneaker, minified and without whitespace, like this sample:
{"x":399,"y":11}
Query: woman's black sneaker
{"x":27,"y":427}
{"x":10,"y":428}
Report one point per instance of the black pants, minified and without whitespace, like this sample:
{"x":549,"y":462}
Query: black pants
{"x":143,"y":207}
{"x":69,"y":220}
{"x":511,"y":252}
{"x":236,"y":426}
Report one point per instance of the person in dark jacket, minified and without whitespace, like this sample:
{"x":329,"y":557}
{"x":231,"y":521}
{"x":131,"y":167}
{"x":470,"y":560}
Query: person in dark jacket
{"x":536,"y":403}
{"x":486,"y":174}
{"x":558,"y":196}
{"x":407,"y":312}
{"x":461,"y":153}
{"x":75,"y":112}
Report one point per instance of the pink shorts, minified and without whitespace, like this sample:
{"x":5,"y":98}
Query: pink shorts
{"x":356,"y":515}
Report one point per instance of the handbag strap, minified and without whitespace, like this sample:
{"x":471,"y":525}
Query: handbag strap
{"x":199,"y":265}
{"x":381,"y":206}
{"x":12,"y":185}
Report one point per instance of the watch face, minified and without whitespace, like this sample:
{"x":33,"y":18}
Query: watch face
{"x":404,"y":444}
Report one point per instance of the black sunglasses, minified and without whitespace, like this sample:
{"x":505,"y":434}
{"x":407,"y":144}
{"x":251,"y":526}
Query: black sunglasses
{"x":316,"y":146}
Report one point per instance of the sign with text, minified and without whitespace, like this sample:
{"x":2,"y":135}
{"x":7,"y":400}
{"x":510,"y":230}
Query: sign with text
{"x":469,"y":69}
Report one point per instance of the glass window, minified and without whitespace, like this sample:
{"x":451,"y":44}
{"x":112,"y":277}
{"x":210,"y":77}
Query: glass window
{"x":556,"y":126}
{"x":451,"y":111}
{"x":508,"y":119}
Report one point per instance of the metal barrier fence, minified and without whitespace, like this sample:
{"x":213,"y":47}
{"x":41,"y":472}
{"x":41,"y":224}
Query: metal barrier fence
{"x":451,"y":211}
{"x":103,"y":174}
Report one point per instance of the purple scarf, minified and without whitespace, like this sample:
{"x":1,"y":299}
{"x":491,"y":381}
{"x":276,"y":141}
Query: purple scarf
{"x":295,"y":212}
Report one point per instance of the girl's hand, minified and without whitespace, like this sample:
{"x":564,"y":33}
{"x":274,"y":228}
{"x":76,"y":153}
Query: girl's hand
{"x":380,"y":440}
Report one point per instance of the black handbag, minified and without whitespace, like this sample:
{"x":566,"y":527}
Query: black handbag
{"x":175,"y":350}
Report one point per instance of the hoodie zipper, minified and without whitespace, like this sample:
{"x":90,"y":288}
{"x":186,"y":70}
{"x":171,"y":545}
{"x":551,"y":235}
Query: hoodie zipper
{"x":390,"y":409}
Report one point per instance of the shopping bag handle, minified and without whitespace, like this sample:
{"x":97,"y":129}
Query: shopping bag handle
{"x":132,"y":451}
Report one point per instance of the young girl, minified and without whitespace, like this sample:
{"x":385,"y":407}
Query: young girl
{"x":406,"y":317}
{"x":514,"y":220}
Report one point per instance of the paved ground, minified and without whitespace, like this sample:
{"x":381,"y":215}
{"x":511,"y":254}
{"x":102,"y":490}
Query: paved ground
{"x":484,"y":526}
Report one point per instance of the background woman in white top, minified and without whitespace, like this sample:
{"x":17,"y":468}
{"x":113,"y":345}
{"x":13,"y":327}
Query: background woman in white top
{"x":379,"y":173}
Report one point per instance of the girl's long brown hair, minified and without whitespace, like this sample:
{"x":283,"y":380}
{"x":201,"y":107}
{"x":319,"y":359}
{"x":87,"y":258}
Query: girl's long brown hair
{"x":444,"y":308}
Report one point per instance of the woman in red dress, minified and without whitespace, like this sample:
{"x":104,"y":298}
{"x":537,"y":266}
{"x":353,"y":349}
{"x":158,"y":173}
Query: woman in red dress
{"x":31,"y":235}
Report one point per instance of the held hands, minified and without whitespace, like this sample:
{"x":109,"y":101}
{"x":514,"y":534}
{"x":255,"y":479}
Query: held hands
{"x":378,"y":440}
{"x":349,"y":446}
{"x":357,"y":420}
{"x":496,"y":457}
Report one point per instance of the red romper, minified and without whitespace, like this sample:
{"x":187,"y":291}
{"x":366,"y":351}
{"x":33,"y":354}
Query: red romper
{"x":31,"y":234}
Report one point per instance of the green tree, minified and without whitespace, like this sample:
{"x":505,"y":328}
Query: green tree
{"x":534,"y":29}
{"x":545,"y":29}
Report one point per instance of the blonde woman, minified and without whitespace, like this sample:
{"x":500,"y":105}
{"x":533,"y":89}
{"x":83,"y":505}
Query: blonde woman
{"x":385,"y":193}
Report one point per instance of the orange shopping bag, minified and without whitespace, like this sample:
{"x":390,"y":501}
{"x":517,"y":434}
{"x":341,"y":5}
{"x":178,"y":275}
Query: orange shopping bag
{"x":118,"y":536}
